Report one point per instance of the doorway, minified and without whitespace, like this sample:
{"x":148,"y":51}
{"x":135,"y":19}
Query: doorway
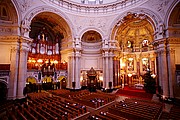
{"x":3,"y":91}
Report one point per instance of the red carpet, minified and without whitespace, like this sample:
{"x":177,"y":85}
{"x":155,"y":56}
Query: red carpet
{"x":134,"y":93}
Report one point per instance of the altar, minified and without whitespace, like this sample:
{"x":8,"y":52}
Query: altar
{"x":92,"y":81}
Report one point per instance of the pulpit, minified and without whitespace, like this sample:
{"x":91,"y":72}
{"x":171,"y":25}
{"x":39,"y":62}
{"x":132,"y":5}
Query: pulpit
{"x":92,"y":81}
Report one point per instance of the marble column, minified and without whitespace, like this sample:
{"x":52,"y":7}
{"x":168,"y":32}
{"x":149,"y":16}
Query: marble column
{"x":104,"y":72}
{"x":164,"y":73}
{"x":14,"y":55}
{"x":71,"y":74}
{"x":77,"y":72}
{"x":171,"y":71}
{"x":115,"y":77}
{"x":22,"y":75}
{"x":21,"y":83}
{"x":119,"y":82}
{"x":107,"y":72}
{"x":111,"y":70}
{"x":159,"y":70}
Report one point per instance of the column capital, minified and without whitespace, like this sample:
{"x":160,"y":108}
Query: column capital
{"x":158,"y":42}
{"x":162,"y":52}
{"x":25,"y":44}
{"x":171,"y":51}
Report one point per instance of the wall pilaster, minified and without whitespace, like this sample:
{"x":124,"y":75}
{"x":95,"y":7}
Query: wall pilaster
{"x":22,"y":75}
{"x":77,"y":71}
{"x":71,"y":74}
{"x":171,"y":70}
{"x":13,"y":72}
{"x":164,"y":73}
{"x":111,"y":69}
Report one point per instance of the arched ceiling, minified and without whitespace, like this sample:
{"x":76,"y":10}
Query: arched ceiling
{"x":174,"y":19}
{"x":91,"y":37}
{"x":134,"y":29}
{"x":8,"y":11}
{"x":53,"y":24}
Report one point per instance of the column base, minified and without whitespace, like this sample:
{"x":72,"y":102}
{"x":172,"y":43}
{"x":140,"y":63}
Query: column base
{"x":20,"y":97}
{"x":11,"y":97}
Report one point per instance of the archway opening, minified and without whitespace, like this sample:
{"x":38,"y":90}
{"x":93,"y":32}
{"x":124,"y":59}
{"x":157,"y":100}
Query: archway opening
{"x":3,"y":91}
{"x":62,"y":82}
{"x":49,"y":32}
{"x":31,"y":85}
{"x":135,"y":34}
{"x":173,"y":30}
{"x":91,"y":57}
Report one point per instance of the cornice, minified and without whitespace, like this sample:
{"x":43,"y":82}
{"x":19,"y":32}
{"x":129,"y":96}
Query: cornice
{"x":159,"y":41}
{"x":173,"y":40}
{"x":15,"y":39}
{"x":9,"y":38}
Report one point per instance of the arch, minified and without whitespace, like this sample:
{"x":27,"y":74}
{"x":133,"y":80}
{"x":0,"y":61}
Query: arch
{"x":93,"y":29}
{"x":91,"y":37}
{"x":169,"y":12}
{"x":47,"y":79}
{"x":152,"y":17}
{"x":3,"y":90}
{"x":63,"y":81}
{"x":31,"y":14}
{"x":31,"y":79}
{"x":12,"y":17}
{"x":61,"y":77}
{"x":4,"y":81}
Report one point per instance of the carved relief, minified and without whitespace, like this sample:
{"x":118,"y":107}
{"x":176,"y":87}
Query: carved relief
{"x":24,"y":4}
{"x":83,"y":22}
{"x":171,"y":51}
{"x":14,"y":49}
{"x":173,"y":40}
{"x":25,"y":26}
{"x":6,"y":30}
{"x":174,"y":33}
{"x":160,"y":6}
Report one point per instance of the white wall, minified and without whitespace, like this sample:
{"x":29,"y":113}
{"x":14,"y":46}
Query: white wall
{"x":91,"y":61}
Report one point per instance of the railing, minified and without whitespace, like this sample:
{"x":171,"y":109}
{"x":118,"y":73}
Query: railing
{"x":100,"y":8}
{"x":138,"y":49}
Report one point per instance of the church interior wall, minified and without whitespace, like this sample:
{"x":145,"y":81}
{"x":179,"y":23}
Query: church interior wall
{"x":81,"y":56}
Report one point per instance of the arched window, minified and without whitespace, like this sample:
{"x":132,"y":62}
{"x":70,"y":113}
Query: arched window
{"x":3,"y":13}
{"x":145,"y":43}
{"x":129,"y":44}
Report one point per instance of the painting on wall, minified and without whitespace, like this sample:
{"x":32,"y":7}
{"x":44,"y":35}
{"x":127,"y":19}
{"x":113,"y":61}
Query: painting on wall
{"x":145,"y":64}
{"x":130,"y":64}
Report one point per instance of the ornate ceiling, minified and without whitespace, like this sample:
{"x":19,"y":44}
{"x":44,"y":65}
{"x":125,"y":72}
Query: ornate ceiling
{"x":91,"y":37}
{"x":53,"y":24}
{"x":134,"y":29}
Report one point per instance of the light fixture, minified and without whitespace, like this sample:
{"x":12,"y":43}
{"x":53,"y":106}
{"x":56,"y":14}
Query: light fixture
{"x":39,"y":60}
{"x":153,"y":75}
{"x":129,"y":75}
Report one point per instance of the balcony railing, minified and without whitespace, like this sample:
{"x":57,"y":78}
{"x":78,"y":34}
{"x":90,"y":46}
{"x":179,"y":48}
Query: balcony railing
{"x":138,"y":49}
{"x":100,"y":8}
